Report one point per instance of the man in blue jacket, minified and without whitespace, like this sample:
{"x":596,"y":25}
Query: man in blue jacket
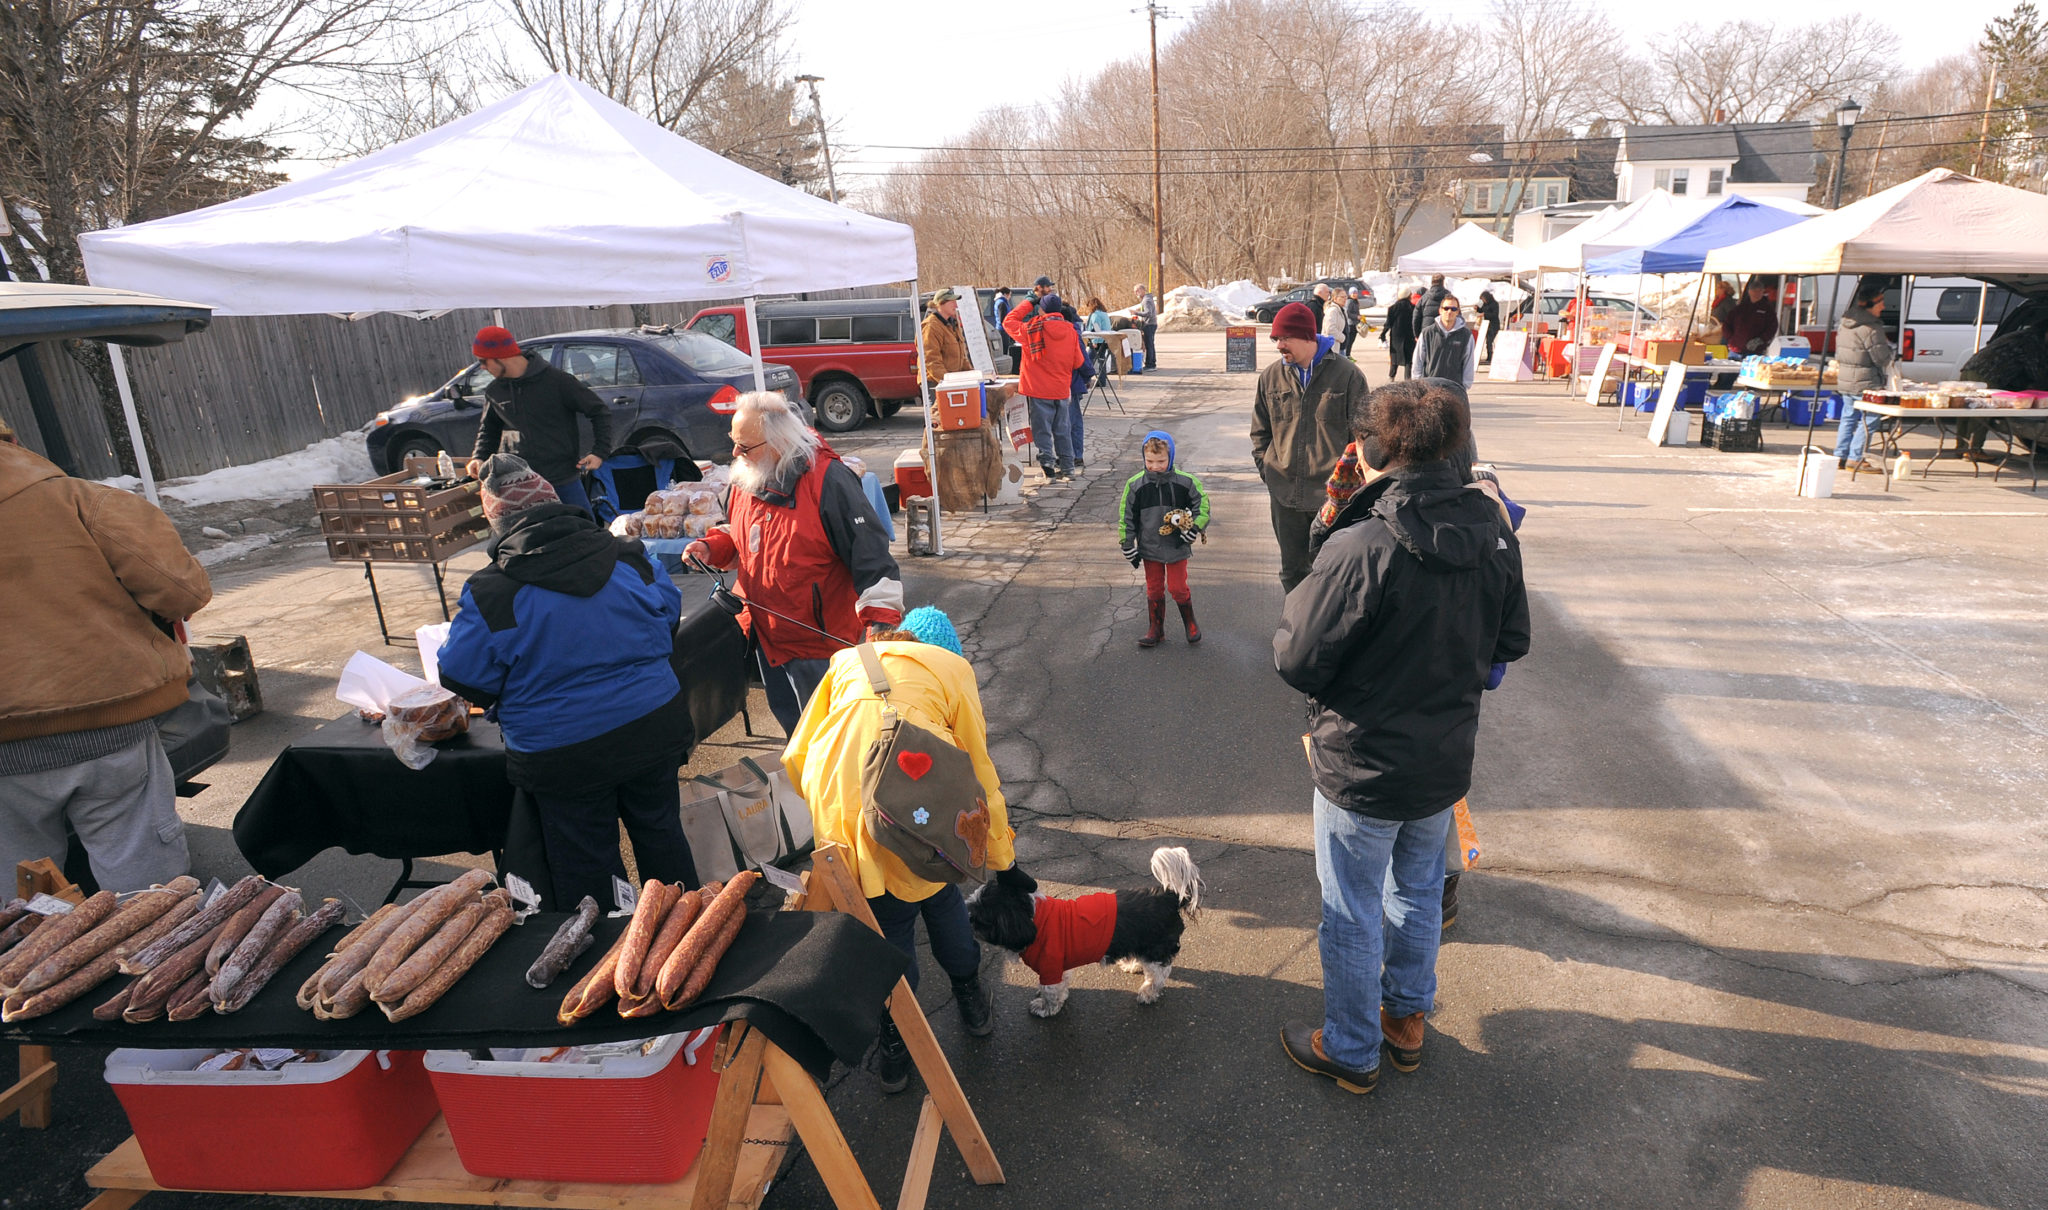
{"x":568,"y":634}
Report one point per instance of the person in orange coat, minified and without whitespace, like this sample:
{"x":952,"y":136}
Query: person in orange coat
{"x":1052,"y":352}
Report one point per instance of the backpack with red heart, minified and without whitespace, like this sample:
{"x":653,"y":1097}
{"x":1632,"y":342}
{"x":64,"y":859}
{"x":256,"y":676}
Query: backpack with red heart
{"x":920,"y":798}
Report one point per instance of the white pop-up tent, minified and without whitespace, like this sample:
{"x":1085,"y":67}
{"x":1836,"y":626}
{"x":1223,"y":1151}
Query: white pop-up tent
{"x":1469,"y":251}
{"x":554,"y":196}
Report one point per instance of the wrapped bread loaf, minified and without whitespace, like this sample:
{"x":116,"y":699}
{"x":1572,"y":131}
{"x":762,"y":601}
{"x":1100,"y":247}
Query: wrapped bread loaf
{"x":431,"y":713}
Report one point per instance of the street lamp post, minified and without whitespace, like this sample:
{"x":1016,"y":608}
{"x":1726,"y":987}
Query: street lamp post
{"x":1845,"y":122}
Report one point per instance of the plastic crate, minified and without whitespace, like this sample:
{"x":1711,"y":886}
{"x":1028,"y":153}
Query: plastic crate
{"x":632,"y":1120}
{"x":337,"y":1124}
{"x":1734,"y":436}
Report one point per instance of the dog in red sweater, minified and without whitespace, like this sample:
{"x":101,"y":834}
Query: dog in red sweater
{"x":1136,"y":930}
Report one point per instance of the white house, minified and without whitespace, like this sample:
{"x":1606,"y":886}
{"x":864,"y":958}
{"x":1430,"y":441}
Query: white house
{"x":1754,"y":159}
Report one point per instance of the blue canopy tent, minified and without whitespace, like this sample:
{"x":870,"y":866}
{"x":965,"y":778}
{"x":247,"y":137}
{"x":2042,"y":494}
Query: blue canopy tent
{"x":1736,"y":219}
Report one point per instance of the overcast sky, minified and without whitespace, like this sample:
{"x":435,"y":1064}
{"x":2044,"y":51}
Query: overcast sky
{"x":921,"y":74}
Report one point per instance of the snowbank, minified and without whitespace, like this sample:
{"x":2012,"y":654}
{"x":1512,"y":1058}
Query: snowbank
{"x":1233,"y":297}
{"x":342,"y":459}
{"x":1191,"y":309}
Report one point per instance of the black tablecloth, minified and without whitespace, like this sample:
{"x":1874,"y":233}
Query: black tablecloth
{"x":341,"y":787}
{"x":813,"y":982}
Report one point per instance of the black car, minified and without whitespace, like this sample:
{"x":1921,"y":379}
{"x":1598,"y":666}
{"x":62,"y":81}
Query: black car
{"x":1266,"y":308}
{"x":658,"y":381}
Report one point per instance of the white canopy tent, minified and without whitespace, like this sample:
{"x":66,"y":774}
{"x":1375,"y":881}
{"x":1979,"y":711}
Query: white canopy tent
{"x":554,"y":196}
{"x":1469,"y":251}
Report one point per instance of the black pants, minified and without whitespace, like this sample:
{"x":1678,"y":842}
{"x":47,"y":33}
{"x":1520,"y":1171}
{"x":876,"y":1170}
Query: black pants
{"x":945,"y":922}
{"x":1290,"y":526}
{"x":581,"y":834}
{"x":1492,"y":330}
{"x":1398,"y":361}
{"x":1350,"y":338}
{"x":1151,"y":354}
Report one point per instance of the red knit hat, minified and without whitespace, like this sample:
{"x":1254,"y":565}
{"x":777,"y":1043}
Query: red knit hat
{"x":1295,"y":322}
{"x":495,"y":343}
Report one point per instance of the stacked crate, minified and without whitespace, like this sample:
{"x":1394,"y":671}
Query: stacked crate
{"x":395,"y":519}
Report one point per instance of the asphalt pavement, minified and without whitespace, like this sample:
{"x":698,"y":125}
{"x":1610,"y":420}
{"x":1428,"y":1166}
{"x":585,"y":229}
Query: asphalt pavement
{"x":1760,"y":920}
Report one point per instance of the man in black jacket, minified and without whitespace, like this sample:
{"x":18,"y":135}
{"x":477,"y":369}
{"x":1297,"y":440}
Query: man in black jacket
{"x":530,"y":409}
{"x":1415,"y":594}
{"x":1425,"y":311}
{"x":1399,"y":334}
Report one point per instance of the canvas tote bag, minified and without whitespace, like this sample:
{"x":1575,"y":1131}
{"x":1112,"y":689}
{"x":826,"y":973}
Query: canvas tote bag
{"x":920,"y":798}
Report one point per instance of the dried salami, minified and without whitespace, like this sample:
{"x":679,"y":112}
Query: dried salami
{"x":282,"y":913}
{"x":480,"y":939}
{"x":208,"y":918}
{"x":301,"y":934}
{"x":239,"y":925}
{"x":569,"y":940}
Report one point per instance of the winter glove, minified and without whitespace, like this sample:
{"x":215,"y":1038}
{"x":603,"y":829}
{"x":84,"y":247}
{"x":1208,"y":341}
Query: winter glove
{"x":1495,"y":675}
{"x":1190,"y":536}
{"x":1131,"y":553}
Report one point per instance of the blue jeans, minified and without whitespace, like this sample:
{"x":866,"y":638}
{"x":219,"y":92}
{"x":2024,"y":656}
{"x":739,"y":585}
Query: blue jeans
{"x":1383,"y":885}
{"x":945,"y":922}
{"x":570,"y":491}
{"x":1853,"y":435}
{"x":1052,"y":432}
{"x":1074,"y":423}
{"x":790,"y":686}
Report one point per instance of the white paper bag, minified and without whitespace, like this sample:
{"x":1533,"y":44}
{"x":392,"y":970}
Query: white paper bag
{"x":369,"y":683}
{"x":431,"y":639}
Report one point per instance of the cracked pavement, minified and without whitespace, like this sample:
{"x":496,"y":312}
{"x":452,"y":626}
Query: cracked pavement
{"x":1761,"y":918}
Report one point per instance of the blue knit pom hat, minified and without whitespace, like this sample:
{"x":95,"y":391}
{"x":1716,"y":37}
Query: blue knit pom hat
{"x":932,"y":626}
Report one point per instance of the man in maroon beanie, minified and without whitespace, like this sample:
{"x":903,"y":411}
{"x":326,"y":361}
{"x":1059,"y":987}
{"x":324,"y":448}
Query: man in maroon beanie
{"x":1301,"y":422}
{"x":530,"y":409}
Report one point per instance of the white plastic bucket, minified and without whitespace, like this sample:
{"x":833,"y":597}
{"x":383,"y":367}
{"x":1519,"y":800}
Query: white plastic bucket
{"x":1818,"y":480}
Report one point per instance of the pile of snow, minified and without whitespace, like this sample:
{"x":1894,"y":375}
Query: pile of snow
{"x":342,"y":459}
{"x":1191,"y":309}
{"x":1233,"y":298}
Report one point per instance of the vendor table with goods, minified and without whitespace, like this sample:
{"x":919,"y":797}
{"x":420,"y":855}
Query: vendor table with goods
{"x":2012,"y":423}
{"x":521,"y":1078}
{"x":341,"y":785}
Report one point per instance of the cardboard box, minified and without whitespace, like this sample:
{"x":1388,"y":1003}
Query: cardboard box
{"x":1664,"y":352}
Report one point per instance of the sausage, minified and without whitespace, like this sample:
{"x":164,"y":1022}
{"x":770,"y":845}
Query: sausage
{"x":100,"y":969}
{"x":190,"y":1001}
{"x":61,"y":932}
{"x":673,"y":927}
{"x":283,"y":912}
{"x":154,"y":989}
{"x":480,"y":939}
{"x":203,"y":922}
{"x":127,"y":920}
{"x":350,"y":960}
{"x":15,"y":910}
{"x":309,"y":991}
{"x":181,"y":911}
{"x":350,"y":1000}
{"x":569,"y":940}
{"x":700,"y":977}
{"x":428,"y":914}
{"x":594,"y":990}
{"x":239,"y":925}
{"x":112,"y":1009}
{"x":656,"y":898}
{"x":300,"y":935}
{"x":430,"y":955}
{"x":14,"y":933}
{"x":676,"y":973}
{"x":372,"y":920}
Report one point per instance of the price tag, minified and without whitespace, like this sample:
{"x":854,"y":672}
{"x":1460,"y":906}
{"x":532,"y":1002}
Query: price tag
{"x":272,"y":1058}
{"x":779,"y":877}
{"x":624,"y":895}
{"x":523,"y":894}
{"x":214,"y":890}
{"x":48,"y":905}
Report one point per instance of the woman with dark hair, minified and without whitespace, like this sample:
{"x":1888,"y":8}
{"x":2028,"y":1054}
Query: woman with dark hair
{"x":1864,"y":359}
{"x":1415,"y":595}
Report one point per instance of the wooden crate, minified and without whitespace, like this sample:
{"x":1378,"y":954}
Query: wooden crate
{"x":432,"y":548}
{"x":392,"y":520}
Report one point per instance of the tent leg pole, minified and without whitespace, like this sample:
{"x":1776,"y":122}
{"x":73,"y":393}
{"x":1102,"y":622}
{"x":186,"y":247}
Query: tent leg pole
{"x":1834,"y":317}
{"x":754,"y":338}
{"x":931,"y":440}
{"x":134,"y":423}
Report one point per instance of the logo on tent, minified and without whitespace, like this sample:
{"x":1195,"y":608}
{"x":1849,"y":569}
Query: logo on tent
{"x":717,"y":268}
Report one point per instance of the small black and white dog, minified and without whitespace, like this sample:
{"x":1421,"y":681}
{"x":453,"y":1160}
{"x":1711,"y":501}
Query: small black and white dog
{"x":1136,"y":930}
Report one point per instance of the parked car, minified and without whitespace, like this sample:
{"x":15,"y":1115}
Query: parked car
{"x":657,"y":381}
{"x":1555,"y":301}
{"x":852,"y":357}
{"x":1266,"y":308}
{"x":1940,"y":329}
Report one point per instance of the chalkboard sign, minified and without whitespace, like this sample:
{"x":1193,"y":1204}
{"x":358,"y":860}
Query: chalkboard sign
{"x":1241,"y":349}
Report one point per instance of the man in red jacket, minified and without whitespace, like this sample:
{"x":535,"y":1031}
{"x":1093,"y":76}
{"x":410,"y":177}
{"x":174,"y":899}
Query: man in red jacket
{"x":1052,"y":352}
{"x":807,"y":544}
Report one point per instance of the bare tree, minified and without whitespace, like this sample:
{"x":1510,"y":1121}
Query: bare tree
{"x":1760,"y":71}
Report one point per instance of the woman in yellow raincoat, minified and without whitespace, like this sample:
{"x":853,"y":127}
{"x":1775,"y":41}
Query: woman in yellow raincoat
{"x":933,"y":685}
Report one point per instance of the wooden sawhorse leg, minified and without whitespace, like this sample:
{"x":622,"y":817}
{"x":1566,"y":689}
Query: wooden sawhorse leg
{"x":30,"y":1095}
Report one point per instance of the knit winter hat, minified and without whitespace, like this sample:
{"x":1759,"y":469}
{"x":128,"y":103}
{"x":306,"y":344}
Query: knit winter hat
{"x":932,"y":626}
{"x":495,"y":343}
{"x":1294,"y":322}
{"x":511,"y":487}
{"x":1049,"y":304}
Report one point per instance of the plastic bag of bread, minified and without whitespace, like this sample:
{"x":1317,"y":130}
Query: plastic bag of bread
{"x":703,"y":504}
{"x":420,"y":717}
{"x":697,"y":527}
{"x":625,"y":525}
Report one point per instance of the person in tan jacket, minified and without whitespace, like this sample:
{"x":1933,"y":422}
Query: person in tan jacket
{"x":96,"y":576}
{"x":945,"y":342}
{"x":1301,"y":422}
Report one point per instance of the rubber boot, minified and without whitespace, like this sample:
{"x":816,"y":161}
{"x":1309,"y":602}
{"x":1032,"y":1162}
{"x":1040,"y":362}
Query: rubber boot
{"x":1187,"y":619}
{"x":976,"y":1005}
{"x":1156,"y":609}
{"x":892,"y":1059}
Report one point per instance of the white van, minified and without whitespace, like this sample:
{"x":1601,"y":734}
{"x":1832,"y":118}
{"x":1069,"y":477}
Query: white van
{"x":1939,"y":332}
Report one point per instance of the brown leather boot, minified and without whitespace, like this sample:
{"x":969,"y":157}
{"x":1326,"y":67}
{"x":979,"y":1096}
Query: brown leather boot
{"x":1403,"y":1038}
{"x":1156,"y":608}
{"x":1187,"y":619}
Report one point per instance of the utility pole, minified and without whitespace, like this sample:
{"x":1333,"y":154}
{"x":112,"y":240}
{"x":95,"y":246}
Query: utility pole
{"x":824,"y":144}
{"x":1152,"y":11}
{"x":1984,"y":132}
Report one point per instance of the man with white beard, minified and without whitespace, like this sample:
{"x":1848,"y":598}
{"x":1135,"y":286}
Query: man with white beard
{"x":807,"y":545}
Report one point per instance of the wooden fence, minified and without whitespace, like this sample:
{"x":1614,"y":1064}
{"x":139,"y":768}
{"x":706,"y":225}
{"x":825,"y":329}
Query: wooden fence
{"x":250,"y":388}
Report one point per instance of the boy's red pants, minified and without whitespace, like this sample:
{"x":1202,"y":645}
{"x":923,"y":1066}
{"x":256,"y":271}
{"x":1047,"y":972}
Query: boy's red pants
{"x":1164,"y":578}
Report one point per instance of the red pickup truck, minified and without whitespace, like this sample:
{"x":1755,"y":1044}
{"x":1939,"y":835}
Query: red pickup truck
{"x":851,"y":356}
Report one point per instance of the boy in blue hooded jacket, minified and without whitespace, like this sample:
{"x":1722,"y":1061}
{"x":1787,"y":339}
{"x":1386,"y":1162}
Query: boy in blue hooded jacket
{"x":1164,"y":513}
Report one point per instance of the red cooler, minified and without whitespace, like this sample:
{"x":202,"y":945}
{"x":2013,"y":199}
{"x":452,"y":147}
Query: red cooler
{"x":340,"y":1123}
{"x":634,"y":1119}
{"x":911,"y":477}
